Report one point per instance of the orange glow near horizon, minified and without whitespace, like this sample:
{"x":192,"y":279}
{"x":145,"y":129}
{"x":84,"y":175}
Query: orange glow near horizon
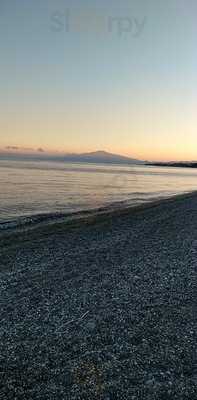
{"x":128,"y":139}
{"x":148,"y":135}
{"x":141,"y":155}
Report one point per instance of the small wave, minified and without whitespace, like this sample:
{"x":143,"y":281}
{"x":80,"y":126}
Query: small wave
{"x":57,"y":217}
{"x":30,"y":220}
{"x":47,"y":218}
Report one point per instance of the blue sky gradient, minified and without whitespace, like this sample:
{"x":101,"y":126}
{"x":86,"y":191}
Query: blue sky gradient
{"x":87,"y":90}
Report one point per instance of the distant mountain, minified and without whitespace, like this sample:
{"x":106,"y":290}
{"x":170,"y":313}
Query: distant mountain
{"x":101,"y":157}
{"x":93,"y":157}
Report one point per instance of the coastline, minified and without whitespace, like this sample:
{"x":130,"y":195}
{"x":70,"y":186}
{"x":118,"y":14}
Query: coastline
{"x":103,"y":307}
{"x":93,"y":216}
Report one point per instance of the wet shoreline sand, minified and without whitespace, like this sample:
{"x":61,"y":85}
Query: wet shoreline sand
{"x":102,"y":308}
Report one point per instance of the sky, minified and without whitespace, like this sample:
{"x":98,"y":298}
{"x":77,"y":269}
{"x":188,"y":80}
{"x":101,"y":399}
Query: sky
{"x":99,"y":75}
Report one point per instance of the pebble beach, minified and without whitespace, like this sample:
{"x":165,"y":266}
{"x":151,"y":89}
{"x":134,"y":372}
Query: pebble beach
{"x":104,"y":308}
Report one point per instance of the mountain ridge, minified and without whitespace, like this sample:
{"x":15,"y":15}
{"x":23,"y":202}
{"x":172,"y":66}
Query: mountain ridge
{"x":99,"y":156}
{"x":102,"y":156}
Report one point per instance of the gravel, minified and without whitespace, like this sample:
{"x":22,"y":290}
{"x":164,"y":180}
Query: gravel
{"x":102,"y":310}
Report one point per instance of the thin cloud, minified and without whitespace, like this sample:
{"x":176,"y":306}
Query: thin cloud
{"x":12,"y":148}
{"x":19,"y":148}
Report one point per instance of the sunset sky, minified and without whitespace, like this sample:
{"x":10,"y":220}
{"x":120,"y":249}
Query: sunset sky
{"x":83,"y":76}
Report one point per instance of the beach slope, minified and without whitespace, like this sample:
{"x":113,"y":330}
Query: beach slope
{"x":102,"y":309}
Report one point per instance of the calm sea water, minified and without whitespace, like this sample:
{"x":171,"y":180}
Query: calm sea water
{"x":30,"y":188}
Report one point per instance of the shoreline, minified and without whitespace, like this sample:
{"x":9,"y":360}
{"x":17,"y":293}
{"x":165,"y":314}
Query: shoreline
{"x":79,"y":218}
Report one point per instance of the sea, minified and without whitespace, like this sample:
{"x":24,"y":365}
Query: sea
{"x":35,"y":190}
